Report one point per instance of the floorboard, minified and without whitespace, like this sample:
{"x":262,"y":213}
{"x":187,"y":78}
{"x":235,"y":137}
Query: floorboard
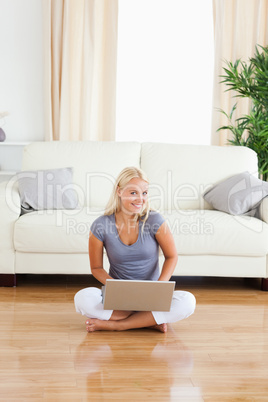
{"x":218,"y":354}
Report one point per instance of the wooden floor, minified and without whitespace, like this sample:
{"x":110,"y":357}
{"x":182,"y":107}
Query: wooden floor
{"x":218,"y":354}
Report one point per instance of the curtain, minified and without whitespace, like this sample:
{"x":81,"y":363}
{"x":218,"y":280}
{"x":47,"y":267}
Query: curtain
{"x":80,"y":45}
{"x":239,"y":25}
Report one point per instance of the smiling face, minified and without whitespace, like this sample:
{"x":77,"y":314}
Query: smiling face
{"x":133,"y":196}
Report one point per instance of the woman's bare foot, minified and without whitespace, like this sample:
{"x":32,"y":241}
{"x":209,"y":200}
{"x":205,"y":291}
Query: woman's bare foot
{"x":160,"y":327}
{"x":93,"y":324}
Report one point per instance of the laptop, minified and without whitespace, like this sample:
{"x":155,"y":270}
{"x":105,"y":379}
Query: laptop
{"x":132,"y":295}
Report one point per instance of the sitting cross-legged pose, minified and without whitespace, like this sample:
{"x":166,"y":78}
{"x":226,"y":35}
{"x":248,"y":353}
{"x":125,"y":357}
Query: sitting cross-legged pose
{"x":131,"y":234}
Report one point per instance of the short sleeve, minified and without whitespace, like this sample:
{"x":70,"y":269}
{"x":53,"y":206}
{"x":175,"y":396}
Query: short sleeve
{"x":97,"y":228}
{"x":154,"y":221}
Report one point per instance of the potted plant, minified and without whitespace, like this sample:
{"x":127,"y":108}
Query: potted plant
{"x":250,"y":80}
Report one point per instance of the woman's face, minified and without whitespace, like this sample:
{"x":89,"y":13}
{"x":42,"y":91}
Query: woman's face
{"x":133,"y":196}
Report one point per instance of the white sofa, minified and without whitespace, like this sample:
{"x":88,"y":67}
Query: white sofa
{"x":209,"y":242}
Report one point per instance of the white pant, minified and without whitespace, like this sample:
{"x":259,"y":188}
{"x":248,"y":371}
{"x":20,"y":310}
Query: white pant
{"x":88,"y":302}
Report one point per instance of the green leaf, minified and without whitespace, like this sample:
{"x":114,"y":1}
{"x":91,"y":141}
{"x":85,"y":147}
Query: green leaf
{"x":249,"y":80}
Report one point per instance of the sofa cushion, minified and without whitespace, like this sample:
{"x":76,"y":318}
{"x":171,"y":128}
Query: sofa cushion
{"x":47,"y":189}
{"x":195,"y":233}
{"x":53,"y":231}
{"x":217,"y":233}
{"x":238,"y":194}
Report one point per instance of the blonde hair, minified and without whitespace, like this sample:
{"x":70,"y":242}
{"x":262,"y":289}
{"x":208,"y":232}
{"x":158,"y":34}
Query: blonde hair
{"x":114,"y":203}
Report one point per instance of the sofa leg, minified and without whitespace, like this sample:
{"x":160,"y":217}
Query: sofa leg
{"x":264,"y":284}
{"x":8,"y":280}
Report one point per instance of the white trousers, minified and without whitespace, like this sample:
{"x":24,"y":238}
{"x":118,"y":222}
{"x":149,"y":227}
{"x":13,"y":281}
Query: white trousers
{"x":88,"y":302}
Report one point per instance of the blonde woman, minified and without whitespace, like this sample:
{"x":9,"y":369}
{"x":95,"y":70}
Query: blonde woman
{"x":131,"y":234}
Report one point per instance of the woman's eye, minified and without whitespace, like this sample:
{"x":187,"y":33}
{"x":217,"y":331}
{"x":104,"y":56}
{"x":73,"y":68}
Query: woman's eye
{"x":135,"y":192}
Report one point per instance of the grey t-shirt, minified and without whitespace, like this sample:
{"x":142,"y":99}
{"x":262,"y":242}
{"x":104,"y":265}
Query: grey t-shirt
{"x":139,"y":260}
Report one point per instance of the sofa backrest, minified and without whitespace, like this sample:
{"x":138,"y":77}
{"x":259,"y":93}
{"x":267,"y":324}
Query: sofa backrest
{"x":95,"y":164}
{"x":180,"y":174}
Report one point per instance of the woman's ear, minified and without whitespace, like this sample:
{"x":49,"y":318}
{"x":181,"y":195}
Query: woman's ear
{"x":118,"y":191}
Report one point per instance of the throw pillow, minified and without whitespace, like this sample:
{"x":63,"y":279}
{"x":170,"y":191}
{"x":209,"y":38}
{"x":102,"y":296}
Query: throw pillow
{"x":238,"y":194}
{"x":47,"y":189}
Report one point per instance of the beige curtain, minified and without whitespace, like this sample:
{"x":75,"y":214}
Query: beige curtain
{"x":238,"y":26}
{"x":80,"y":42}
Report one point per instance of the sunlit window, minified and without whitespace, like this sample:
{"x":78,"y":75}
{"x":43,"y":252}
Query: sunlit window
{"x":165,"y":71}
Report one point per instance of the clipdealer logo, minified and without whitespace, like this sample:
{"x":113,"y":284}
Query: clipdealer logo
{"x":172,"y":200}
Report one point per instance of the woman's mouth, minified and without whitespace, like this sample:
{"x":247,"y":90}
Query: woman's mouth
{"x":138,"y":206}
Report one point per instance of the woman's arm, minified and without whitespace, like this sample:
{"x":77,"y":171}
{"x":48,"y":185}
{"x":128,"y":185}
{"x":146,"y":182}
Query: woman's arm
{"x":95,"y":249}
{"x":165,"y":240}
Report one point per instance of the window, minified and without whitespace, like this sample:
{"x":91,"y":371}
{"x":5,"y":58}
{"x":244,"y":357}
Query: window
{"x":165,"y":71}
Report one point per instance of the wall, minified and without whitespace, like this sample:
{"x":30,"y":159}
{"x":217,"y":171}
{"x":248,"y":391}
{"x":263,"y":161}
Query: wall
{"x":165,"y":71}
{"x":21,"y":69}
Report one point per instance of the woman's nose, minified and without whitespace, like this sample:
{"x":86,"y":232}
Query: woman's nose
{"x":139,"y":197}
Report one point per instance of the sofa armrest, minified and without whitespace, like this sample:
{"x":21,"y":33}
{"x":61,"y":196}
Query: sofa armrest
{"x":263,"y":210}
{"x":9,"y":213}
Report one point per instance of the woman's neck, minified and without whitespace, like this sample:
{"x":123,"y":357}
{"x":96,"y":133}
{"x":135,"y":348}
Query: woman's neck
{"x":125,"y":219}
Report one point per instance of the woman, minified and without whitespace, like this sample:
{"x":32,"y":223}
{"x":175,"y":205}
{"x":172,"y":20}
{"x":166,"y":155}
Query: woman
{"x":131,"y":234}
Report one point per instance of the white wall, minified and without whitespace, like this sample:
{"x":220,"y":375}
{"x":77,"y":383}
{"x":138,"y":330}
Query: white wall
{"x":21,"y":69}
{"x":165,"y":71}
